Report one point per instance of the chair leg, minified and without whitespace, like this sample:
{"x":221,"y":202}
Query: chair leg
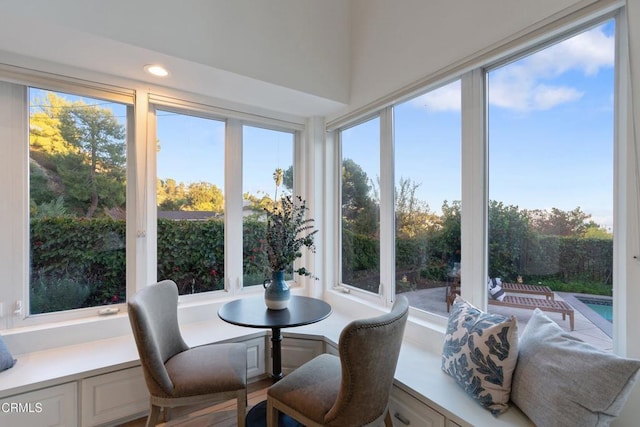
{"x":387,"y":420}
{"x":242,"y":407}
{"x":154,"y":414}
{"x":272,"y":415}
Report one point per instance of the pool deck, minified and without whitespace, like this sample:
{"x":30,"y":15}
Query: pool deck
{"x":589,"y":326}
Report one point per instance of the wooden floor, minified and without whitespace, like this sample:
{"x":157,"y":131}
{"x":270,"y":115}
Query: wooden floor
{"x":221,"y":415}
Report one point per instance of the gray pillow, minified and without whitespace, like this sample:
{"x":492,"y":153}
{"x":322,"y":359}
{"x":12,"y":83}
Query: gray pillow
{"x":562,"y":381}
{"x":480,"y":353}
{"x":6,"y":359}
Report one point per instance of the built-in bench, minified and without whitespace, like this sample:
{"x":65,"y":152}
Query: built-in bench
{"x":69,"y":368}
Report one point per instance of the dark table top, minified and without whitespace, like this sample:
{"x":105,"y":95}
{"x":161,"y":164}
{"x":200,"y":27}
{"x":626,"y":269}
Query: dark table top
{"x":253,"y":313}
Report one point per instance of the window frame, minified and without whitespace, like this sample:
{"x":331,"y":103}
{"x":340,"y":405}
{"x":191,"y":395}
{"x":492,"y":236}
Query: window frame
{"x":16,"y":298}
{"x":474,"y":215}
{"x":234,"y":123}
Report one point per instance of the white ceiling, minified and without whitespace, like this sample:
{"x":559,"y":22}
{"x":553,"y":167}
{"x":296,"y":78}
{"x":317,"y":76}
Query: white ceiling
{"x":290,"y":56}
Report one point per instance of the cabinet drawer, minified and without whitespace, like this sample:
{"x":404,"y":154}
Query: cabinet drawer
{"x":406,"y":411}
{"x":52,"y":406}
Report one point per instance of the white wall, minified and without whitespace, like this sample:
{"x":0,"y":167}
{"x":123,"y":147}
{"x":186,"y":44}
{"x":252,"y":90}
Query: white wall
{"x":394,"y":44}
{"x":297,"y":44}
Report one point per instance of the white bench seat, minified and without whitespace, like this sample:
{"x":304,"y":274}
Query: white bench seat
{"x":418,"y":372}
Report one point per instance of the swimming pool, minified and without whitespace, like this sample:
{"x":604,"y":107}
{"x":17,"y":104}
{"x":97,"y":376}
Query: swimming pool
{"x":603,"y":307}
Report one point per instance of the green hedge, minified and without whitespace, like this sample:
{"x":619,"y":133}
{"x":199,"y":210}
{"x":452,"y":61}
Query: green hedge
{"x":76,"y":263}
{"x":82,"y":263}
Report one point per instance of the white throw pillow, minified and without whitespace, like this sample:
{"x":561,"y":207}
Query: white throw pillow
{"x":562,"y":381}
{"x":495,"y":288}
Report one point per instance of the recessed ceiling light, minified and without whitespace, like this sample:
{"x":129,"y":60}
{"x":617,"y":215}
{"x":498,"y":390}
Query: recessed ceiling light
{"x":156,"y":70}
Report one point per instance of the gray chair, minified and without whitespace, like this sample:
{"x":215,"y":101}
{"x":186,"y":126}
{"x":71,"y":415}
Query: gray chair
{"x":350,"y":390}
{"x":177,"y":375}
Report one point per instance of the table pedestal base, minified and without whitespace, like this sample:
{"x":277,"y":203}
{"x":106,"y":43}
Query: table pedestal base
{"x":257,"y":417}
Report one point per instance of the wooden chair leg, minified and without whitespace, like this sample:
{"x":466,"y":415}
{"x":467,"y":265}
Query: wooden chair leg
{"x":387,"y":420}
{"x":242,"y":408}
{"x":154,"y":414}
{"x":272,"y":415}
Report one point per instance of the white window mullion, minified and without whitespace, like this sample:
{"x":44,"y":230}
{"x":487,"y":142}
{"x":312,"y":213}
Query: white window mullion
{"x":14,"y":211}
{"x":233,"y":206}
{"x":474,"y":213}
{"x":387,"y":207}
{"x":141,"y":217}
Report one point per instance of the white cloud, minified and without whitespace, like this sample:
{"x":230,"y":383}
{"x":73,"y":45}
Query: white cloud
{"x":445,"y":98}
{"x":519,"y":86}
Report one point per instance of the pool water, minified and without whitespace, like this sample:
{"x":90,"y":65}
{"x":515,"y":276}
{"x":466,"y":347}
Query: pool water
{"x":603,"y":307}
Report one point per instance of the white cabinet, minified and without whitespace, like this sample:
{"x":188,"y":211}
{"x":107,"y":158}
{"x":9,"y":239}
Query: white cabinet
{"x":296,"y":351}
{"x":51,"y":406}
{"x":113,"y":396}
{"x":256,"y":357}
{"x":406,"y":410}
{"x":331,"y":349}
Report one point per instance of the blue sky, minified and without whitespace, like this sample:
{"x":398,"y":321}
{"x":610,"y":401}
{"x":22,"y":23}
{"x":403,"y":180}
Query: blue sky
{"x":550,"y":132}
{"x":550,"y":136}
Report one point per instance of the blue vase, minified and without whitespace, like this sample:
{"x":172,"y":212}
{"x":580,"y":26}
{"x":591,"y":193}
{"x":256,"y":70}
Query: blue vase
{"x":276,"y":294}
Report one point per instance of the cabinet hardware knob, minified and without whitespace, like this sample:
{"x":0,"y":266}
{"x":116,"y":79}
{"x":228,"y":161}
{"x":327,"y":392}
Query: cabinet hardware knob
{"x":402,"y":419}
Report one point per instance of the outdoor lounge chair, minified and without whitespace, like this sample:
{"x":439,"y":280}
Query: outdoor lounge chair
{"x":521,"y":288}
{"x":530,"y":303}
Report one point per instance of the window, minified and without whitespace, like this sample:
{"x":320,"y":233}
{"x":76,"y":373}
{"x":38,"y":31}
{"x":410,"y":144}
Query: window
{"x":360,"y":205}
{"x":77,"y":201}
{"x":267,"y":174}
{"x":190,"y":199}
{"x":551,"y":171}
{"x":427,"y":196}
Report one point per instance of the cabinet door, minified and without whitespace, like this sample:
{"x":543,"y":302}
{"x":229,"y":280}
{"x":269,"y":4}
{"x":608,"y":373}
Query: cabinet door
{"x":52,"y":406}
{"x":114,"y":396}
{"x":256,"y":357}
{"x":406,"y":410}
{"x":296,"y":351}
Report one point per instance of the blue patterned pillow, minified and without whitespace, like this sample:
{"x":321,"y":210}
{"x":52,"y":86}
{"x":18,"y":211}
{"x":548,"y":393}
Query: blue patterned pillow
{"x":480,"y":353}
{"x":6,"y":359}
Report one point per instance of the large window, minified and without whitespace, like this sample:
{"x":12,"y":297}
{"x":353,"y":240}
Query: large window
{"x":267,"y":175}
{"x":551,"y":172}
{"x":190,"y":199}
{"x":77,"y":194}
{"x":427,"y":197}
{"x":360,"y":205}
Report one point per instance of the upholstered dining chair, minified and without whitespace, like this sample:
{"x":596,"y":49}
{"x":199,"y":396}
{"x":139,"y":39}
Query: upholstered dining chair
{"x":177,"y":375}
{"x":349,"y":390}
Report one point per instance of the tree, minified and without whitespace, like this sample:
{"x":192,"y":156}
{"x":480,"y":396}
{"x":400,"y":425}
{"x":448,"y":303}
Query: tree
{"x":170,"y":196}
{"x":203,"y":196}
{"x":413,"y":217}
{"x":100,"y":142}
{"x":287,"y":179}
{"x":508,"y":231}
{"x":558,"y":222}
{"x":44,"y":125}
{"x":359,"y":210}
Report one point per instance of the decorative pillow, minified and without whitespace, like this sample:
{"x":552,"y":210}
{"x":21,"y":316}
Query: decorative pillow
{"x":480,"y":353}
{"x":495,"y":288}
{"x":560,"y":380}
{"x":6,"y":359}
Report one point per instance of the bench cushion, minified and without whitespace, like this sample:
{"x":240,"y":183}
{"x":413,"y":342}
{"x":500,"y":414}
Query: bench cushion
{"x":480,"y":353}
{"x":560,"y":380}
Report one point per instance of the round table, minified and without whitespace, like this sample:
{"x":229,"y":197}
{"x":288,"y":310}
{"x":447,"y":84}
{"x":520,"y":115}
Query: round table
{"x":252,"y":312}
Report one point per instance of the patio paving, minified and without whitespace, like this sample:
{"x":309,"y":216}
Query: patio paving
{"x":587,"y":329}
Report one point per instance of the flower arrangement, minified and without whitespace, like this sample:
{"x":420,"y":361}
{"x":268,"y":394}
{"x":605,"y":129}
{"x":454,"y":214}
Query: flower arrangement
{"x":288,"y":231}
